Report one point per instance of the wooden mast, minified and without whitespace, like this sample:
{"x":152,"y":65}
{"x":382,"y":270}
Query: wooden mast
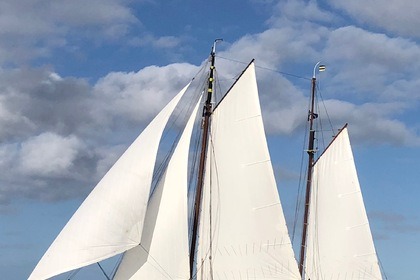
{"x":311,"y":153}
{"x":207,"y":111}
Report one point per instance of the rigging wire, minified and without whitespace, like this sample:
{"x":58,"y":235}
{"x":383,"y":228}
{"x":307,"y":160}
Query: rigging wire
{"x":163,"y":272}
{"x":103,"y":271}
{"x":117,"y":265}
{"x":73,"y":273}
{"x":382,"y":268}
{"x":325,"y":109}
{"x":299,"y":197}
{"x":266,"y":68}
{"x":178,"y":117}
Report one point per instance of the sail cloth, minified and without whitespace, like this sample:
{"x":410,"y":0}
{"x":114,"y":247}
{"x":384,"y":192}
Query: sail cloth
{"x":110,"y":220}
{"x":340,"y":244}
{"x":163,"y":251}
{"x":243,"y":234}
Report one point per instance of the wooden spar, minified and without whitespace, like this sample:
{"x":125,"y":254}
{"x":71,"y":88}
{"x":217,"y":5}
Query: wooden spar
{"x":311,"y":152}
{"x":207,"y":111}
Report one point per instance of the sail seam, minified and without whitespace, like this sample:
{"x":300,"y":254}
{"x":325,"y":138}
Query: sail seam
{"x":247,"y":118}
{"x":256,"y":162}
{"x":266,"y":206}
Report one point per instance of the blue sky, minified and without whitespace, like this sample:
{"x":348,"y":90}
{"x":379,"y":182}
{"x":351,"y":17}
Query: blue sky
{"x":79,"y":80}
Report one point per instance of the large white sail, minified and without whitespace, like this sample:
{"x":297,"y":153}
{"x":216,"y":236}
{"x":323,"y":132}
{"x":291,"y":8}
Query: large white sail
{"x":243,"y":234}
{"x":163,"y":251}
{"x":340,"y":244}
{"x":110,"y":220}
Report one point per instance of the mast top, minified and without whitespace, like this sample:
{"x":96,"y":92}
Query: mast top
{"x":213,"y":49}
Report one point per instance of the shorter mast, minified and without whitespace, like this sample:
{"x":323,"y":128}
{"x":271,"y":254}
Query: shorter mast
{"x":207,"y":111}
{"x":311,"y":154}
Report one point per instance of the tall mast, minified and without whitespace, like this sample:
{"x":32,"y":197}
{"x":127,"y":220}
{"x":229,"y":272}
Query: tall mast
{"x":311,"y":153}
{"x":207,"y":111}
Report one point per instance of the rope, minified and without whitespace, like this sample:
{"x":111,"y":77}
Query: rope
{"x":266,"y":68}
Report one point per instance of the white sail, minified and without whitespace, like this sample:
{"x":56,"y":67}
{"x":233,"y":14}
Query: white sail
{"x":164,"y":252}
{"x":110,"y":220}
{"x":243,"y":234}
{"x":340,"y":244}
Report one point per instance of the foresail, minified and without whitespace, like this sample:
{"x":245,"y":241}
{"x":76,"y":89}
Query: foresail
{"x":163,"y":251}
{"x":243,"y":234}
{"x":110,"y":220}
{"x":340,"y":244}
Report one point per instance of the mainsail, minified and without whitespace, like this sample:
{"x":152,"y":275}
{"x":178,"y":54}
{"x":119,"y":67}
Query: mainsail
{"x":243,"y":234}
{"x":340,"y":244}
{"x":110,"y":220}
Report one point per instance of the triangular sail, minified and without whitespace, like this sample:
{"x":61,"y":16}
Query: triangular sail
{"x":243,"y":234}
{"x":163,"y":251}
{"x":340,"y":244}
{"x":110,"y":220}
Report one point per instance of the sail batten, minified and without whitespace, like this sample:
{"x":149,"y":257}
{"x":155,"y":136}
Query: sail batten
{"x":110,"y":220}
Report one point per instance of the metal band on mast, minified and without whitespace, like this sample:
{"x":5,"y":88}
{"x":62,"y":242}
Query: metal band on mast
{"x":207,"y":111}
{"x":311,"y":153}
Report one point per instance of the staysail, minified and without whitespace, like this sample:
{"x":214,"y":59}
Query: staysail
{"x":110,"y":220}
{"x":243,"y":234}
{"x":340,"y":244}
{"x":163,"y":250}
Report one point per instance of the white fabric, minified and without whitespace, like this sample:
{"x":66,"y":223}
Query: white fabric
{"x":340,"y":244}
{"x":249,"y":238}
{"x":110,"y":220}
{"x":164,"y":250}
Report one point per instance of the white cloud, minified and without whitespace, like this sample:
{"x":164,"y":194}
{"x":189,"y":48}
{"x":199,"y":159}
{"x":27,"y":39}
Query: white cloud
{"x":38,"y":106}
{"x":373,"y":123}
{"x":33,"y":28}
{"x":137,"y":96}
{"x":49,"y":155}
{"x":163,"y":42}
{"x":398,"y":16}
{"x":299,"y":11}
{"x":60,"y":134}
{"x":276,"y":46}
{"x":371,"y":62}
{"x":30,"y":97}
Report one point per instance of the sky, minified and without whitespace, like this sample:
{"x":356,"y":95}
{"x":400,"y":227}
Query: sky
{"x":79,"y":80}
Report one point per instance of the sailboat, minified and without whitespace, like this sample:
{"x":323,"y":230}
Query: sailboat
{"x":237,"y":228}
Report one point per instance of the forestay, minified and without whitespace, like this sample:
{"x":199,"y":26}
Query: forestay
{"x":340,"y":244}
{"x":110,"y":220}
{"x":243,"y":234}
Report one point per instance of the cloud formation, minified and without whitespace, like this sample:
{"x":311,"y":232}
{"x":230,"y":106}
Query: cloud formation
{"x":397,"y":16}
{"x":58,"y":132}
{"x":33,"y":29}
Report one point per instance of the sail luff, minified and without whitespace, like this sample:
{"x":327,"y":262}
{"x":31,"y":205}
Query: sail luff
{"x":110,"y":220}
